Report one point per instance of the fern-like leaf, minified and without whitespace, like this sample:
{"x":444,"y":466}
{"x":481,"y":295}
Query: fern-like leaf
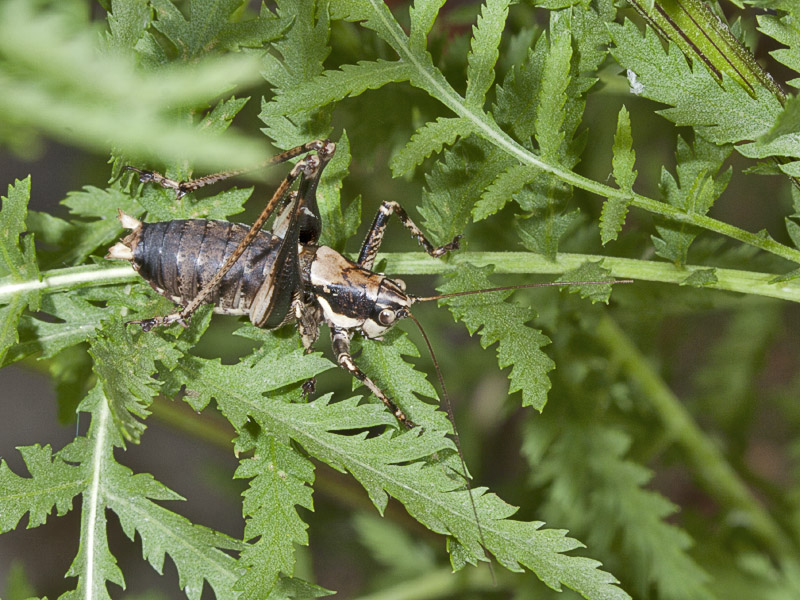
{"x":17,"y":262}
{"x":519,"y":346}
{"x":390,"y":464}
{"x":280,"y":480}
{"x":483,"y":52}
{"x":722,"y":113}
{"x":615,"y":209}
{"x":431,"y":137}
{"x":587,"y":468}
{"x":698,"y":185}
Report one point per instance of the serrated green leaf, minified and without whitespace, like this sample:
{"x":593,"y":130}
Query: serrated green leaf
{"x":331,"y":86}
{"x":590,"y":272}
{"x":517,"y":97}
{"x":422,"y":16}
{"x":209,"y":26}
{"x":624,"y":155}
{"x":785,"y":30}
{"x":78,"y":319}
{"x":615,"y":208}
{"x":550,"y":113}
{"x":196,"y":551}
{"x":431,"y":137}
{"x":455,"y":184}
{"x":505,"y":186}
{"x":17,"y":261}
{"x":541,"y":231}
{"x":721,"y":113}
{"x":400,"y":380}
{"x":586,"y":468}
{"x":76,"y":240}
{"x":698,"y":185}
{"x":484,"y":50}
{"x":124,"y":367}
{"x":612,"y":217}
{"x":280,"y":481}
{"x":701,"y":278}
{"x":780,"y":140}
{"x":127,"y":24}
{"x":337,"y":225}
{"x":389,"y":464}
{"x":52,"y":484}
{"x":500,"y":322}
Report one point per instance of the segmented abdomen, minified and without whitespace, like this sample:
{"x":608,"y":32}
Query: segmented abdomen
{"x":178,"y":257}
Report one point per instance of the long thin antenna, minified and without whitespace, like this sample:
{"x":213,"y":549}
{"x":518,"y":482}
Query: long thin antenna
{"x":520,"y":287}
{"x":451,"y":417}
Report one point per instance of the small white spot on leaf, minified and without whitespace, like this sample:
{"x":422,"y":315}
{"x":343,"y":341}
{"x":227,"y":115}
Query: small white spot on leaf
{"x":637,"y":87}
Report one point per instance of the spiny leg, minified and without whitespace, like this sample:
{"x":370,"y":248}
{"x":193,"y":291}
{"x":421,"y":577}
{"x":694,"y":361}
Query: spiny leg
{"x":184,"y":187}
{"x":309,"y":317}
{"x":308,"y":167}
{"x":340,"y":340}
{"x":369,"y":249}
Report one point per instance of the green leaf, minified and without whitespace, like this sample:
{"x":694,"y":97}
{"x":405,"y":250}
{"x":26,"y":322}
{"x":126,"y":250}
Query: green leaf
{"x":207,"y":26}
{"x":389,"y":464}
{"x":484,"y":50}
{"x":431,"y":137}
{"x":332,"y":86}
{"x":505,"y":187}
{"x":550,"y":114}
{"x":17,"y":262}
{"x":196,"y":551}
{"x":698,"y":185}
{"x":624,"y":156}
{"x":422,"y":16}
{"x":786,"y":31}
{"x":721,"y":113}
{"x":518,"y":96}
{"x":124,"y":367}
{"x":780,"y":140}
{"x":499,"y":322}
{"x":78,"y":318}
{"x":280,"y":481}
{"x":615,"y":209}
{"x":586,"y":468}
{"x":455,"y":184}
{"x":701,"y":278}
{"x":77,"y":239}
{"x":385,"y":362}
{"x":590,"y":272}
{"x":53,"y":484}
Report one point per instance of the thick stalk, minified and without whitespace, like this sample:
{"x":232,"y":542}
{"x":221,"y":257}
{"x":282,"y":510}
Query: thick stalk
{"x":706,"y":460}
{"x":417,"y":263}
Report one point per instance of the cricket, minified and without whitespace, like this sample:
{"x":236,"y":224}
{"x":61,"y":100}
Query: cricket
{"x":283,"y":276}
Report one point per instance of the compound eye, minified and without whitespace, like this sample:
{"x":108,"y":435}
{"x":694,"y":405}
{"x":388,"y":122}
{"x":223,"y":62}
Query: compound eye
{"x":401,"y":284}
{"x":386,"y":316}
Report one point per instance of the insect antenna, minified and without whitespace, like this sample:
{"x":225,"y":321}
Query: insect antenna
{"x":447,"y":404}
{"x":520,"y":287}
{"x":451,"y":417}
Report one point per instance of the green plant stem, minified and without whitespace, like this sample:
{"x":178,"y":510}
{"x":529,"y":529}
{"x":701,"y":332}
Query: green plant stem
{"x":418,"y":263}
{"x":746,"y":282}
{"x":70,"y":278}
{"x":716,"y":475}
{"x":429,"y":78}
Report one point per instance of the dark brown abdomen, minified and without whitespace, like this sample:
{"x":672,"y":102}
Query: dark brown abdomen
{"x":178,"y":257}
